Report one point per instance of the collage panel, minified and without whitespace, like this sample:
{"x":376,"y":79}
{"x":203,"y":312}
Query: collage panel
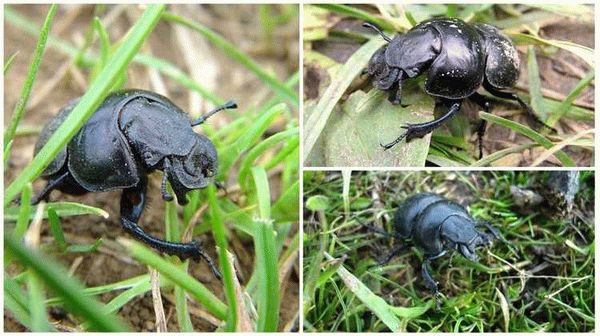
{"x":449,"y":251}
{"x":448,"y":85}
{"x":174,"y":207}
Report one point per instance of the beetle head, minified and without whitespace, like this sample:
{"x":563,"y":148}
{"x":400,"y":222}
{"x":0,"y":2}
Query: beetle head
{"x":194,"y":171}
{"x":460,"y":233}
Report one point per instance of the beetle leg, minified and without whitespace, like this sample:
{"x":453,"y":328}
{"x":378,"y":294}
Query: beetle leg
{"x":513,"y":96}
{"x":485,"y":105}
{"x":388,"y":80}
{"x":429,"y":281}
{"x":395,"y":96}
{"x":163,"y":189}
{"x":420,"y":130}
{"x":52,"y":184}
{"x":395,"y":251}
{"x":132,"y":205}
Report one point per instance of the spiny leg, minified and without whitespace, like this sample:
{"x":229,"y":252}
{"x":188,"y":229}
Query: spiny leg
{"x":420,"y":130}
{"x":388,"y":80}
{"x":394,"y":252}
{"x":163,"y":189}
{"x":485,"y":105}
{"x":395,"y":96}
{"x":524,"y":106}
{"x":53,"y":183}
{"x":429,"y":281}
{"x":132,"y":205}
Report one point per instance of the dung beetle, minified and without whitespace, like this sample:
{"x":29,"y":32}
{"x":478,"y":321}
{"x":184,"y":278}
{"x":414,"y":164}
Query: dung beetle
{"x":457,"y":59}
{"x":131,"y":134}
{"x":436,"y":225}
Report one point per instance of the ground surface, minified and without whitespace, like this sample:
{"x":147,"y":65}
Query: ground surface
{"x":219,"y":74}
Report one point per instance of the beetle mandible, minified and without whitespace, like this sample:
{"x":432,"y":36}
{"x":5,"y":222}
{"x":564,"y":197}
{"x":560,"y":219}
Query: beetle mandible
{"x":131,"y":134}
{"x":457,"y":58}
{"x":437,"y":225}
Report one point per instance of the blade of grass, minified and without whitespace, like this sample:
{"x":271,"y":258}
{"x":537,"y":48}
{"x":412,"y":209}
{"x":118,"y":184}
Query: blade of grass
{"x":487,"y":160}
{"x":266,"y":257}
{"x":259,"y":149}
{"x":528,"y":132}
{"x":89,"y":101}
{"x":177,"y":276}
{"x":359,"y":14}
{"x":585,"y":53}
{"x":535,"y":85}
{"x":226,"y":268}
{"x":9,"y":133}
{"x":161,"y":65}
{"x":55,"y":277}
{"x":63,"y":209}
{"x":36,"y":302}
{"x":56,"y":229}
{"x":316,"y":122}
{"x":566,"y":104}
{"x":9,"y":62}
{"x":375,"y":304}
{"x":25,"y":213}
{"x":559,"y":146}
{"x":239,"y":56}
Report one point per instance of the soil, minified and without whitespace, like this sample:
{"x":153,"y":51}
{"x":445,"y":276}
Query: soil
{"x":221,"y":75}
{"x":559,"y":70}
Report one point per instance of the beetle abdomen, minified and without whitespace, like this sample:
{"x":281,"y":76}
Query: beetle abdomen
{"x":48,"y":131}
{"x":458,"y":69}
{"x":502,"y":64}
{"x":99,"y":156}
{"x":409,"y":210}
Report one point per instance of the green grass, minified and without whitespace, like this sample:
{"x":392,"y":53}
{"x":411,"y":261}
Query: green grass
{"x":258,"y":146}
{"x":543,"y":280}
{"x":339,"y":85}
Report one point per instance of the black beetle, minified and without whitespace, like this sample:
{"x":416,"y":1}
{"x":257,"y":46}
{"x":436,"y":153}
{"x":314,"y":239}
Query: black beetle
{"x":131,"y":134}
{"x":435,"y":225}
{"x":457,"y":57}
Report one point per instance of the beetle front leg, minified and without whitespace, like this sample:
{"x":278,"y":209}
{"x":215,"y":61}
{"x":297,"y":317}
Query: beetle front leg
{"x":429,"y":281}
{"x":132,"y":205}
{"x":422,"y":129}
{"x":163,"y":189}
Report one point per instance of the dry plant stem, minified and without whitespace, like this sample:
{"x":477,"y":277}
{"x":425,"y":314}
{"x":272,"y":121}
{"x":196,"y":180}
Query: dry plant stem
{"x":548,"y":93}
{"x":75,"y":265}
{"x":198,"y":312}
{"x":244,"y":323}
{"x":159,"y":311}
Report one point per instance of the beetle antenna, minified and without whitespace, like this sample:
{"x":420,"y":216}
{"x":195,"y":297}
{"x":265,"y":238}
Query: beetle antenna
{"x":228,"y":105}
{"x":374,"y":27}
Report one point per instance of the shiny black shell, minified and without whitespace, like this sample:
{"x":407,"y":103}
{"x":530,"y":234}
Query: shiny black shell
{"x":421,"y":216}
{"x":456,"y":56}
{"x":125,"y":138}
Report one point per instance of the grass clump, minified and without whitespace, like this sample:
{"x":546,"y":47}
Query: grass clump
{"x":543,"y":280}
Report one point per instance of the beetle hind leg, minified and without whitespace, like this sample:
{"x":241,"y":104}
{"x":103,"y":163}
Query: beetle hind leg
{"x":513,"y":96}
{"x":422,"y":129}
{"x":132,"y":205}
{"x":481,"y":127}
